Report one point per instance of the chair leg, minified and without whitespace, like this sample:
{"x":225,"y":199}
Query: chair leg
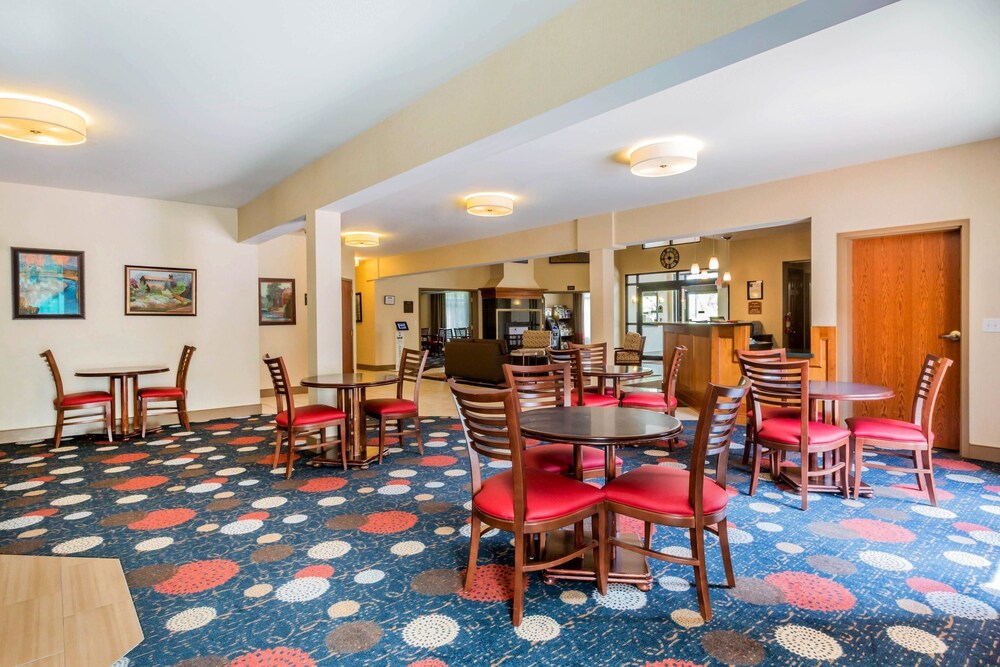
{"x":859,"y":450}
{"x":381,"y":437}
{"x":931,"y":492}
{"x":60,"y":416}
{"x":519,"y":583}
{"x":420,"y":437}
{"x":183,"y":410}
{"x":918,"y":463}
{"x":143,"y":416}
{"x":601,"y":563}
{"x":342,"y":432}
{"x":647,"y":535}
{"x":804,"y":480}
{"x":291,"y":453}
{"x":700,"y":575}
{"x":747,"y":444}
{"x":727,"y":559}
{"x":470,"y":570}
{"x":845,"y":458}
{"x":109,"y":422}
{"x":277,"y":449}
{"x":755,"y":477}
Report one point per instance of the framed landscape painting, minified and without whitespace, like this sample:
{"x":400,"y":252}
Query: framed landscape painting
{"x":47,"y":284}
{"x":156,"y":290}
{"x":276,"y":297}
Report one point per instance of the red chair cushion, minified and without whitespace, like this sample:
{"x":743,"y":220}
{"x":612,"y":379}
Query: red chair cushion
{"x":882,"y":428}
{"x":663,"y":490}
{"x":84,"y":397}
{"x":558,"y":458}
{"x":598,"y":400}
{"x":648,"y":400}
{"x":788,"y":432}
{"x":771,"y":412}
{"x":310,"y":414}
{"x":389,"y":406}
{"x":161,"y":392}
{"x":548,"y":496}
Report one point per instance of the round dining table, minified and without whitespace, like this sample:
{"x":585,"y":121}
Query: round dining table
{"x":120,"y":376}
{"x":616,"y":374}
{"x":609,"y":428}
{"x":350,"y":389}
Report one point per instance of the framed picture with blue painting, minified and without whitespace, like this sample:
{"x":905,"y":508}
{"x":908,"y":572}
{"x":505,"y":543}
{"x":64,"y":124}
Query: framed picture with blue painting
{"x":47,"y":284}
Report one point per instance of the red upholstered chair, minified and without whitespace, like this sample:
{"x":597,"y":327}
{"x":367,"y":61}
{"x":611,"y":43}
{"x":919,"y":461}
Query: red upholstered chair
{"x":176,"y":395}
{"x":83,"y":400}
{"x":776,"y":354}
{"x":411,"y":369}
{"x":578,"y":395}
{"x":685,"y":498}
{"x":664,"y":401}
{"x":912,"y":439}
{"x":548,"y":386}
{"x":525,"y":501}
{"x":592,"y":354}
{"x":785,"y":385}
{"x":294,"y":422}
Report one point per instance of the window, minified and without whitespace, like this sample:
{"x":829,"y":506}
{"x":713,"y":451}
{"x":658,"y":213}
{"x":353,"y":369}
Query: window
{"x":457,"y":310}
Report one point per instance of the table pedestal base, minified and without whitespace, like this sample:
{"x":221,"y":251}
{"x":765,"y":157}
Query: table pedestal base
{"x":627,"y":567}
{"x":370,"y":456}
{"x":792,"y":475}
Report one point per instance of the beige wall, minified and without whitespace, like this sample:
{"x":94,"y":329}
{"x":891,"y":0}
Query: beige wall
{"x":556,"y":277}
{"x":285,"y":257}
{"x":114,"y":231}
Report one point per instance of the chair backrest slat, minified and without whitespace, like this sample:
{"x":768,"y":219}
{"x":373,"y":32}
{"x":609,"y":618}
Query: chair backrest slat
{"x":592,"y":354}
{"x":782,"y":384}
{"x":282,"y":390}
{"x":572,"y":357}
{"x":183,"y":364}
{"x":545,"y":386}
{"x":54,"y":369}
{"x":670,"y":375}
{"x":411,"y":369}
{"x":713,"y":436}
{"x":925,"y":397}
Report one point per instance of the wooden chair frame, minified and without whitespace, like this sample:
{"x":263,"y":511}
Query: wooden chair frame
{"x":143,"y":410}
{"x":574,"y":357}
{"x":490,"y":420}
{"x":669,"y":387}
{"x":775,"y":354}
{"x":786,"y":385}
{"x":411,"y":369}
{"x":712,"y":438}
{"x":282,"y":396}
{"x":932,"y":374}
{"x":106,"y":416}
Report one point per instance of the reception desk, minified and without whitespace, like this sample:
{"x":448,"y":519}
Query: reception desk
{"x":711,"y":357}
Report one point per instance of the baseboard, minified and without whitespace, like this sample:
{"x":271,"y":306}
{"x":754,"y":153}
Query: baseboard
{"x":370,"y":367}
{"x":269,"y":393}
{"x":46,"y":432}
{"x":983,"y":453}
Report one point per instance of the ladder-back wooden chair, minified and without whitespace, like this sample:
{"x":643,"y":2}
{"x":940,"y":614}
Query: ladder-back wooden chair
{"x":663,"y":401}
{"x":411,"y":369}
{"x":75,"y":402}
{"x":176,"y":395}
{"x":775,"y":354}
{"x":580,"y":397}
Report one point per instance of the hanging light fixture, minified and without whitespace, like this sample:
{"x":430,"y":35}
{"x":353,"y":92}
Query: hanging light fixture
{"x":489,"y":204}
{"x":695,"y":269}
{"x":725,"y":276}
{"x":361,"y":239}
{"x":713,"y":261}
{"x":664,"y":158}
{"x":40,"y":121}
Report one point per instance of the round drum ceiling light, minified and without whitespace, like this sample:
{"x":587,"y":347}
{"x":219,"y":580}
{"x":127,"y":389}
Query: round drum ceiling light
{"x":361,"y":239}
{"x":40,"y":121}
{"x":489,"y":204}
{"x":664,"y":158}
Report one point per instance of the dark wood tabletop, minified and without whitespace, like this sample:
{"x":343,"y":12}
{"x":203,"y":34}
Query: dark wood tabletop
{"x":599,"y":426}
{"x":122,"y":371}
{"x":621,"y":372}
{"x":350,"y":380}
{"x":848,"y":391}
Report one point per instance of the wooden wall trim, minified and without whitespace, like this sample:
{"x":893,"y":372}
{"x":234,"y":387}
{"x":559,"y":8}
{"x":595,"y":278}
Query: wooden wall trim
{"x":823,"y":343}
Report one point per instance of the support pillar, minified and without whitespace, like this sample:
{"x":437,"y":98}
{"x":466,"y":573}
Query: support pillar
{"x":602,"y":297}
{"x":323,"y":274}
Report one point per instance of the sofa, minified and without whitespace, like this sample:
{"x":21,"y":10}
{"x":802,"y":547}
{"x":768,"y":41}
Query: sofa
{"x":477,"y":359}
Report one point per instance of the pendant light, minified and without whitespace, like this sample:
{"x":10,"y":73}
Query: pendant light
{"x":713,"y":261}
{"x":726,"y":277}
{"x":695,"y":269}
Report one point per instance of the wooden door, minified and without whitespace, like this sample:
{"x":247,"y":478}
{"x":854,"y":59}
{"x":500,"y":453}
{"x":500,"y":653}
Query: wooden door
{"x":907,"y":293}
{"x":347,"y":322}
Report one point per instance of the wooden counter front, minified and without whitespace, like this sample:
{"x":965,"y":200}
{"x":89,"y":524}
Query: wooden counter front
{"x":711,"y":357}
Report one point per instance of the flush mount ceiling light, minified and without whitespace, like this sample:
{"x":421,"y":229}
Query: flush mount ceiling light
{"x":361,"y":239}
{"x":489,"y":204}
{"x":41,"y":121}
{"x":664,"y":158}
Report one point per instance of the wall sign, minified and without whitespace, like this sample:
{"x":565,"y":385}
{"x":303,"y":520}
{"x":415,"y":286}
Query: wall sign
{"x":754,"y":307}
{"x":389,"y":300}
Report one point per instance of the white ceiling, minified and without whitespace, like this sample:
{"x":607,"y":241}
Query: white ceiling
{"x":914,"y":76}
{"x":216,"y":101}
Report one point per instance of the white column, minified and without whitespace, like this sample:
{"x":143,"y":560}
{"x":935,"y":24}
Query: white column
{"x":323,"y":274}
{"x":602,"y":297}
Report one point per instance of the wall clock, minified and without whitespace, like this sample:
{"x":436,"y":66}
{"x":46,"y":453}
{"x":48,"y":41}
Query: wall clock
{"x":669,"y":257}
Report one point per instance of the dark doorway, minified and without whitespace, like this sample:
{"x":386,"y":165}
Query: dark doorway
{"x":797,"y":305}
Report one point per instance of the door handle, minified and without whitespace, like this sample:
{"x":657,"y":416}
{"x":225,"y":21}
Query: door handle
{"x":953,"y":336}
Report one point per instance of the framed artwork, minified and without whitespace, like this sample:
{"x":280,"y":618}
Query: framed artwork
{"x":389,"y":300}
{"x":407,"y":306}
{"x":357,"y":306}
{"x":276,"y":301}
{"x":47,"y":284}
{"x":755,"y":289}
{"x":157,"y":290}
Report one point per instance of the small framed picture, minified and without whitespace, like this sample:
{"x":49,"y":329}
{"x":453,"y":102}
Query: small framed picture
{"x":47,"y":284}
{"x":357,"y":306}
{"x":156,"y":290}
{"x":389,"y":300}
{"x":276,"y":301}
{"x":755,"y":289}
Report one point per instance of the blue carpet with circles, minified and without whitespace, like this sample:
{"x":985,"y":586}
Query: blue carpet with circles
{"x":231,"y":565}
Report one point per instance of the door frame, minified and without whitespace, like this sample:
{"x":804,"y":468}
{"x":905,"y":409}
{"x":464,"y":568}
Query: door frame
{"x":845,"y":298}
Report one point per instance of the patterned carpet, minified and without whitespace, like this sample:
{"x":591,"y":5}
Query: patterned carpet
{"x":232,"y":566}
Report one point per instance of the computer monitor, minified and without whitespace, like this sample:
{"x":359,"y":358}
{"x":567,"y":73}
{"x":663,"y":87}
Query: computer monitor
{"x":402,"y":326}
